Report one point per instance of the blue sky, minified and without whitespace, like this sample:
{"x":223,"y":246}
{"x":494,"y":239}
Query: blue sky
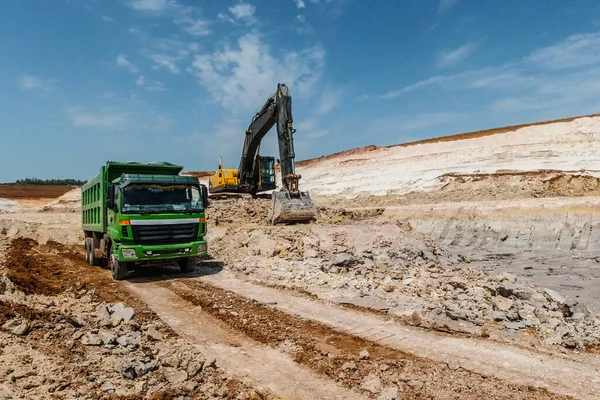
{"x":85,"y":81}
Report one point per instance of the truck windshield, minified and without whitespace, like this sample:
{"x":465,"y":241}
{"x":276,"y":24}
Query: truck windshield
{"x":160,"y":198}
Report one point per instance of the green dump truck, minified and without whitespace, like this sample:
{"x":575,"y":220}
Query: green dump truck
{"x":136,"y":214}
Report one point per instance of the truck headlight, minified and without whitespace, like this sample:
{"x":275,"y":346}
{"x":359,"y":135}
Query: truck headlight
{"x":202,"y":247}
{"x":128,"y":253}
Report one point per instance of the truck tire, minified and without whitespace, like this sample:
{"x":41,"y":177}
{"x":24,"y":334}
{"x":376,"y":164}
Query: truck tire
{"x":118,"y":268}
{"x":94,"y":244}
{"x":186,"y":264}
{"x":87,"y":243}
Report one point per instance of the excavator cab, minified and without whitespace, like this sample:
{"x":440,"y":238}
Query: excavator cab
{"x":266,"y":168}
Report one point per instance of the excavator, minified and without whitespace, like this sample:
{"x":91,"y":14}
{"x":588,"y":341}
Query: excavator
{"x":256,"y":173}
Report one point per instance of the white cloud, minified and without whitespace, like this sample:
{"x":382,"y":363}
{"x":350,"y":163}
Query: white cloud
{"x":151,"y":5}
{"x":452,"y":57}
{"x":107,"y":18}
{"x":241,"y":79}
{"x":302,"y":26}
{"x":242,"y":11}
{"x":327,"y":102}
{"x":560,"y":79}
{"x":194,"y":26}
{"x":140,"y":81}
{"x":574,"y":52}
{"x":445,"y":5}
{"x":122,"y":61}
{"x":163,"y":61}
{"x":300,"y":3}
{"x":28,"y":82}
{"x":102,"y":119}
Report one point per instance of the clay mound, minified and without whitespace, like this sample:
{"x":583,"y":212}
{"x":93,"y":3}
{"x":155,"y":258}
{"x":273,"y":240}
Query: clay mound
{"x":68,"y":202}
{"x":9,"y":206}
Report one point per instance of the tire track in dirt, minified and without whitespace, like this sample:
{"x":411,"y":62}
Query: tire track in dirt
{"x":577,"y":376}
{"x":235,"y":352}
{"x":356,"y":363}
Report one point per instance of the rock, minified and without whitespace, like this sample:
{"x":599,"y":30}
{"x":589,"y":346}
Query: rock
{"x":458,"y":283}
{"x":455,"y":312}
{"x":502,"y":303}
{"x":20,"y":328}
{"x":107,"y":337}
{"x":371,"y":384}
{"x":520,"y":292}
{"x":389,"y":393}
{"x":453,"y":365}
{"x":130,"y":339}
{"x":195,"y":367}
{"x":497,"y":316}
{"x":175,"y":376}
{"x":408,"y":281}
{"x":364,"y":355}
{"x":509,"y":277}
{"x":120,"y":313}
{"x":554,"y":296}
{"x":349,"y":365}
{"x":153,"y":334}
{"x":108,"y":387}
{"x":515,"y":325}
{"x":77,"y":335}
{"x":91,"y":339}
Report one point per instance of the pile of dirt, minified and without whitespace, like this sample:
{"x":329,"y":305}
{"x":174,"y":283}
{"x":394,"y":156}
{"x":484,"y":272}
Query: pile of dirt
{"x":68,"y":202}
{"x":43,"y":227}
{"x":9,"y":206}
{"x":60,"y":336}
{"x":236,"y":211}
{"x":411,"y":276}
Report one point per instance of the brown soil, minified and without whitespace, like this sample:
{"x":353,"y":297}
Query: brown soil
{"x":338,"y":356}
{"x":448,"y":138}
{"x":54,"y":268}
{"x":33,"y":191}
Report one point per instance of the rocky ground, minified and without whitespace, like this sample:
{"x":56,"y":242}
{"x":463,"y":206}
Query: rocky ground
{"x":64,"y":335}
{"x":393,"y":268}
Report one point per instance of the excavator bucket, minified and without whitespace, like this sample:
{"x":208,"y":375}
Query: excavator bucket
{"x":291,"y":209}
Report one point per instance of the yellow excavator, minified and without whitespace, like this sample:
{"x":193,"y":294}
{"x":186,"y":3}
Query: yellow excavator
{"x":256,"y":173}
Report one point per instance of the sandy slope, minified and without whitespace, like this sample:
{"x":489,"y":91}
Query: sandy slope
{"x":567,"y":146}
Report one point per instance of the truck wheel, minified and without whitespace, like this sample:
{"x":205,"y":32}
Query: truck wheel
{"x":87,"y":250}
{"x":186,"y":264}
{"x":118,"y":268}
{"x":94,"y":244}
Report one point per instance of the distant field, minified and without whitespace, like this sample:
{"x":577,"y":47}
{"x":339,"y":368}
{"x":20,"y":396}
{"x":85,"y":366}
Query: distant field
{"x":33,"y":191}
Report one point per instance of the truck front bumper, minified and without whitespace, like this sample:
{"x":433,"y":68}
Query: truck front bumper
{"x":133,"y":253}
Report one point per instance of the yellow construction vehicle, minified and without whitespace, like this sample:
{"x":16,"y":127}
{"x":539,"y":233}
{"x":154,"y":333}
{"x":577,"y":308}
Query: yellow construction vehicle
{"x":256,"y":173}
{"x":225,"y":181}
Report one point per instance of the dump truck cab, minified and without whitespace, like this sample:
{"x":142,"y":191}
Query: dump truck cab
{"x":142,"y":214}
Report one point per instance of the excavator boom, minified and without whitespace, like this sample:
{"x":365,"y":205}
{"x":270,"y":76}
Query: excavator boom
{"x":289,"y":203}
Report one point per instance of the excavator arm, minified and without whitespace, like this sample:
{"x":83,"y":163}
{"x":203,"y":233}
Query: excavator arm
{"x":289,"y":204}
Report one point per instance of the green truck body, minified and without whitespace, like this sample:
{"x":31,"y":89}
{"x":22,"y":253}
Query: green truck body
{"x":136,"y":214}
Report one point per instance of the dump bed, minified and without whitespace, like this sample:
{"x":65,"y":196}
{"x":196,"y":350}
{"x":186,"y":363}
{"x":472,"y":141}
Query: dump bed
{"x":93,"y":192}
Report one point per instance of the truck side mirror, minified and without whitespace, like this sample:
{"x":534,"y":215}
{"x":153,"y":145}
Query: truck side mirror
{"x":204,"y":193}
{"x":110,"y":197}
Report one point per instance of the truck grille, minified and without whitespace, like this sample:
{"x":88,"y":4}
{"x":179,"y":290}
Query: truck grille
{"x":164,"y":234}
